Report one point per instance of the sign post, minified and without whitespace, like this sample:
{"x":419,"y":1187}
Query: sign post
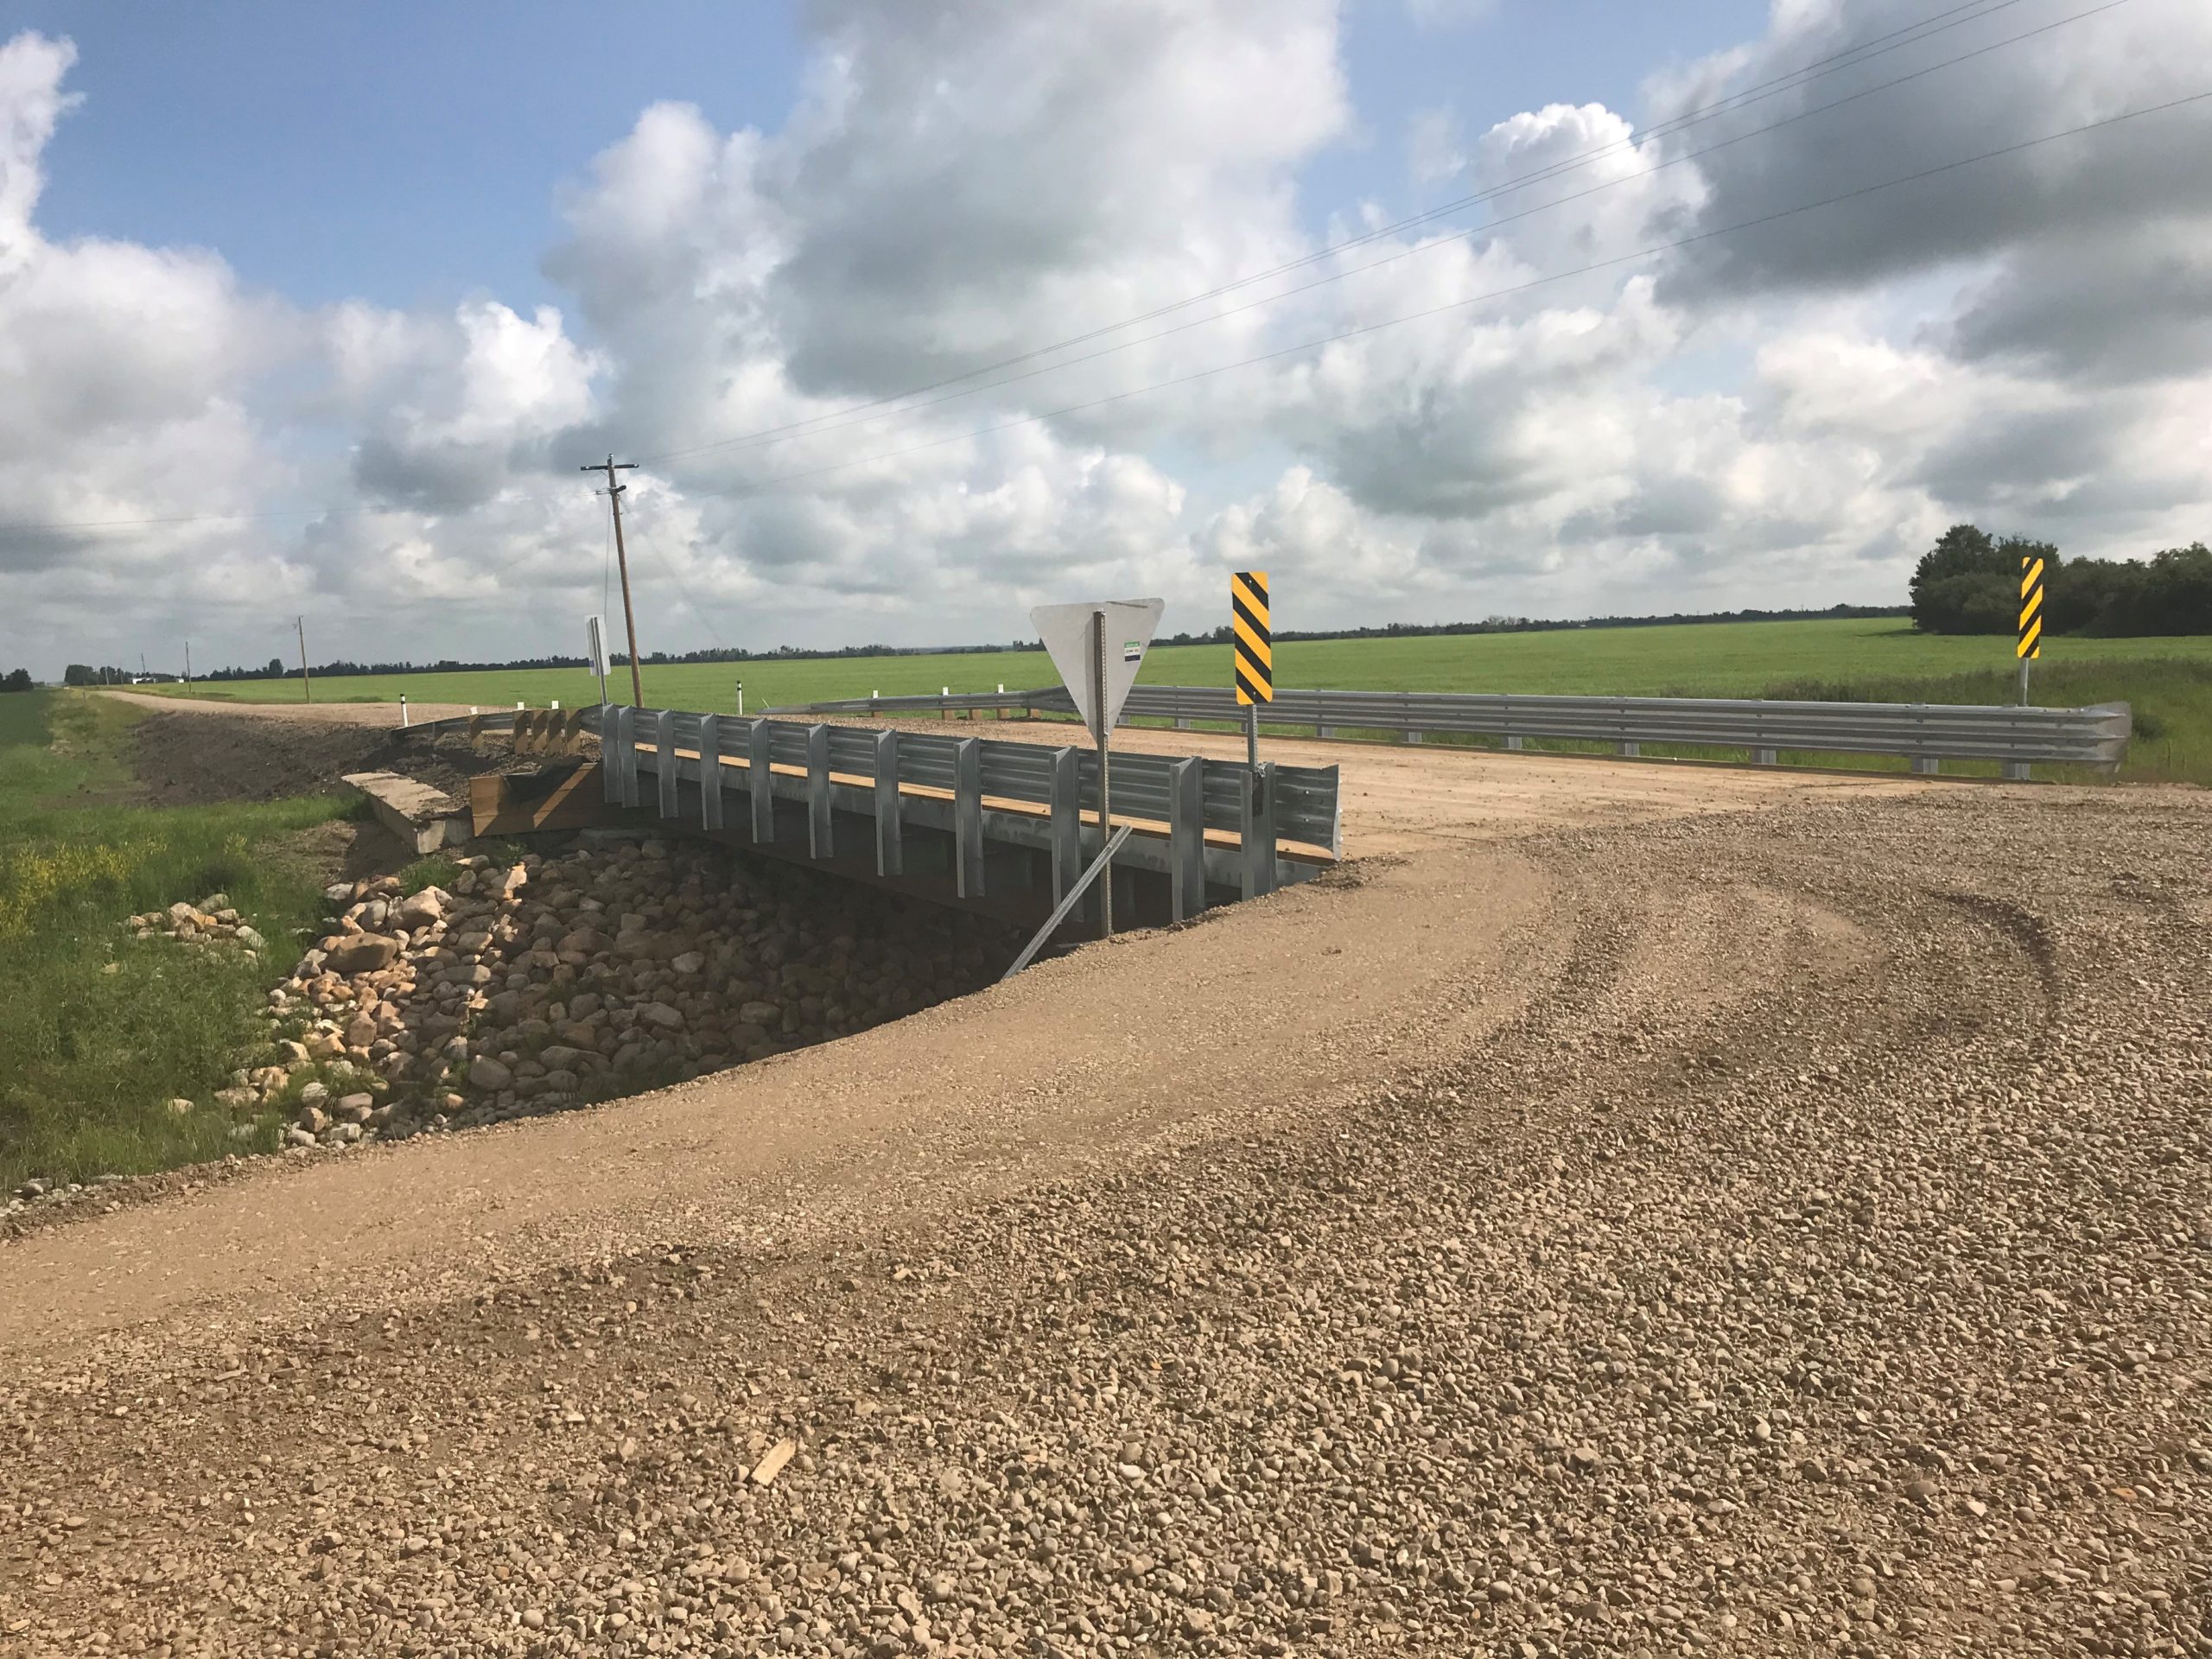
{"x":1256,"y":653}
{"x":1102,"y":732}
{"x":1098,"y":672}
{"x":595,"y":638}
{"x":2031,"y":641}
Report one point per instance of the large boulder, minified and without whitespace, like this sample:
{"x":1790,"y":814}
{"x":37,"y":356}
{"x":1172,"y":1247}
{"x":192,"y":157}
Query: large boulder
{"x":489,"y":1074}
{"x":425,"y":907}
{"x":363,"y":953}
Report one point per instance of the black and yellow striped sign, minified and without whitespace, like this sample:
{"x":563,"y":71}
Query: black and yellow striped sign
{"x":2030,"y":644}
{"x":1255,"y":649}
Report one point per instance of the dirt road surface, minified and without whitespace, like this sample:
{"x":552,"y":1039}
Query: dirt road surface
{"x":317,"y":713}
{"x":1775,"y":1221}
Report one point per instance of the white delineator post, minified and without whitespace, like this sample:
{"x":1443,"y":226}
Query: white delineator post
{"x":403,"y":708}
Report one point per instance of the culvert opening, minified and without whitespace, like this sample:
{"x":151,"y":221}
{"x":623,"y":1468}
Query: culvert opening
{"x":590,"y":968}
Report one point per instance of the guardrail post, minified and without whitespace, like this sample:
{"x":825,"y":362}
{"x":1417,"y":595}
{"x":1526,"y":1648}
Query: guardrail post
{"x":760,"y":780}
{"x":1325,"y":731}
{"x":821,"y":833}
{"x":610,"y":754}
{"x":1926,"y":766}
{"x":1187,"y":841}
{"x":1763,"y":757}
{"x":629,"y":789}
{"x":1515,"y":742}
{"x":664,"y":760}
{"x":2017,"y":772}
{"x":968,"y":818}
{"x":890,"y":850}
{"x":1412,"y":736}
{"x":1067,"y":822}
{"x":710,"y":772}
{"x":1256,"y":824}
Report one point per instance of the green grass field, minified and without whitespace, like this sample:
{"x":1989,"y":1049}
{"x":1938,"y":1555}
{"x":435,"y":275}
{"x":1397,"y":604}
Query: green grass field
{"x":101,"y":1030}
{"x":1707,"y":659}
{"x":2167,"y":681}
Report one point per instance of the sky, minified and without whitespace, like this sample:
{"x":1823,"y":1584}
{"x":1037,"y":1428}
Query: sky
{"x":918,"y":312}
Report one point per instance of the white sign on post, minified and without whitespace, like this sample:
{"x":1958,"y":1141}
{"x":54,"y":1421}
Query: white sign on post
{"x":595,"y":644}
{"x":1098,"y":648}
{"x":1071,"y":634}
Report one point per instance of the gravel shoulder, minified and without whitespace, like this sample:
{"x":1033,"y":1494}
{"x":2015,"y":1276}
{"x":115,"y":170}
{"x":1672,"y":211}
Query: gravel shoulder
{"x":1719,"y":1230}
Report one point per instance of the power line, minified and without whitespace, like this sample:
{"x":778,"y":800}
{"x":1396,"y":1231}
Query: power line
{"x":865,"y":417}
{"x":761,"y":485}
{"x":668,"y":569}
{"x":1867,"y":51}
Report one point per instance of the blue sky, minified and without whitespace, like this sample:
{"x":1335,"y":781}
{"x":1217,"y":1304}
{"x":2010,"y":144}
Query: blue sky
{"x":408,"y":154}
{"x":314,"y":311}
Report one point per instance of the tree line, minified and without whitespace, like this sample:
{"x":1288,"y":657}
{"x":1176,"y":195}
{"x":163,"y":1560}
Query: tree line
{"x":1969,"y":582}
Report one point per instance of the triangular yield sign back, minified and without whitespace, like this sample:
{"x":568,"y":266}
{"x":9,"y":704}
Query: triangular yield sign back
{"x":1073,"y":636}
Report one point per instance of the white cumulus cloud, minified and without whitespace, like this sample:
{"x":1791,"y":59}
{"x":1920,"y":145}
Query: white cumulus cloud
{"x":1006,"y":211}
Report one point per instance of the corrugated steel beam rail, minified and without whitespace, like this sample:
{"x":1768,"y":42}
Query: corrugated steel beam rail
{"x":1928,"y":734}
{"x":1196,"y":820}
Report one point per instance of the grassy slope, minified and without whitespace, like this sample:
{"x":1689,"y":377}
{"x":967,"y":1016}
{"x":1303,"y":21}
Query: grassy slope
{"x":89,"y":1057}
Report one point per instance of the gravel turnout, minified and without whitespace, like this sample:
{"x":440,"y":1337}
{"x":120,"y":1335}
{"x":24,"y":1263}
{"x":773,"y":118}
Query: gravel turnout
{"x":1783,"y":1232}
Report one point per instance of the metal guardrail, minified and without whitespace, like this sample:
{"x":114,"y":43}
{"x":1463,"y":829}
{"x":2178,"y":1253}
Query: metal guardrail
{"x":1928,"y":734}
{"x":1305,"y":798}
{"x":951,"y":783}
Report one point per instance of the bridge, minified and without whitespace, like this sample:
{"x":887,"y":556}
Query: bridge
{"x":1005,"y":828}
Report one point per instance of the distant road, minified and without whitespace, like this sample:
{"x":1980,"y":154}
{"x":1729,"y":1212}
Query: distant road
{"x":347,"y":713}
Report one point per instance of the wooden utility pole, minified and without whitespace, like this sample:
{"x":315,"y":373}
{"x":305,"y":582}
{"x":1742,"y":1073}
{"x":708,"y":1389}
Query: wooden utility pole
{"x":306,"y":684}
{"x":614,"y":488}
{"x":188,"y":665}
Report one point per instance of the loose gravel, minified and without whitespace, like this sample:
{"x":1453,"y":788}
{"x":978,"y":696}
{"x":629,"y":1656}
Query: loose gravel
{"x":1817,"y":1263}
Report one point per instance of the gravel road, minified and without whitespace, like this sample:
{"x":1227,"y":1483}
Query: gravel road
{"x":325,"y":713}
{"x":1779,"y":1231}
